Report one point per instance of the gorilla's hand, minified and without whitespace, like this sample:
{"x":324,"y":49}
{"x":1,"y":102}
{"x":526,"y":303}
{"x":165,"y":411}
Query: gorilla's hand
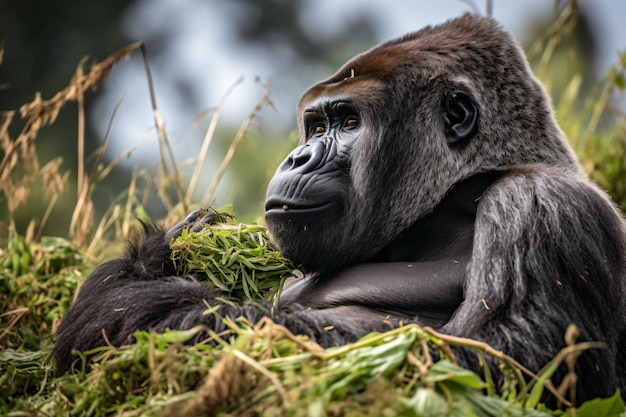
{"x":195,"y":222}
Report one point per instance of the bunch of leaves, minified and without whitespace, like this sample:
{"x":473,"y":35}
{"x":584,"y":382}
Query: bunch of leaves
{"x":236,"y":258}
{"x":147,"y":374}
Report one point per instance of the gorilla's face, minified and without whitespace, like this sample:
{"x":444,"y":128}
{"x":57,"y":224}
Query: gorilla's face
{"x":366,"y":167}
{"x":310,"y":200}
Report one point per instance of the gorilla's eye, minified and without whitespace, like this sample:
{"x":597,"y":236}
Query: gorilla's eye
{"x":319,"y":129}
{"x":351,"y":122}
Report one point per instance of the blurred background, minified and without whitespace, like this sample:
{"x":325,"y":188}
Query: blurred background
{"x":198,"y":49}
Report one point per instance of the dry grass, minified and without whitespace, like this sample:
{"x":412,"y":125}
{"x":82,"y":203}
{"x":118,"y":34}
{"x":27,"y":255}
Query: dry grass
{"x":20,"y":170}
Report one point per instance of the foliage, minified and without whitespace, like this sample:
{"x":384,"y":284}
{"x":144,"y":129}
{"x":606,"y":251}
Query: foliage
{"x":38,"y":281}
{"x":594,"y":121}
{"x":598,"y":130}
{"x":236,"y":258}
{"x":264,"y":370}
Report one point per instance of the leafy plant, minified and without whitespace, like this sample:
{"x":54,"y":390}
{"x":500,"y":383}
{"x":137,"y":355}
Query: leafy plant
{"x":238,"y":259}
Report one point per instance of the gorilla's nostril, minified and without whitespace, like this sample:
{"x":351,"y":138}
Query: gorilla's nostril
{"x":300,"y":159}
{"x":305,"y":158}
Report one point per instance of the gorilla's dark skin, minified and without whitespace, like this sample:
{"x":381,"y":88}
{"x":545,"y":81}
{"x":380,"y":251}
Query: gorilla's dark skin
{"x":431,"y":185}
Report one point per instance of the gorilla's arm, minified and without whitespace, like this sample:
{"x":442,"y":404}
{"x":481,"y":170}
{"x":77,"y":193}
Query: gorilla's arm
{"x":548,"y":252}
{"x":427,"y":292}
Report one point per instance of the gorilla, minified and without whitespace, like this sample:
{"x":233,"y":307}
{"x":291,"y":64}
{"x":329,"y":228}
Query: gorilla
{"x":431,"y":185}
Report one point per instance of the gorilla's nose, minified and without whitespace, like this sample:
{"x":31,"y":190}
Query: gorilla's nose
{"x":305,"y":158}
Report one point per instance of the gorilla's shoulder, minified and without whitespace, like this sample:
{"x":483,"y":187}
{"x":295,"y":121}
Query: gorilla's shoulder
{"x":553,"y":204}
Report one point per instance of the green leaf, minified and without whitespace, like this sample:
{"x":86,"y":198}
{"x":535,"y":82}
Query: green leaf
{"x":360,"y":365}
{"x":427,"y":403}
{"x":537,"y":390}
{"x":600,"y":407}
{"x":229,"y":255}
{"x":619,"y":81}
{"x":444,"y":370}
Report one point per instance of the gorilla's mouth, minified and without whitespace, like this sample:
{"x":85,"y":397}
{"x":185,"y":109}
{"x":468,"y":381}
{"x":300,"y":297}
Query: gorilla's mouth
{"x":278,"y":205}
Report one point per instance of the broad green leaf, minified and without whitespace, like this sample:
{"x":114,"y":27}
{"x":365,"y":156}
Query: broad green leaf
{"x":444,"y":370}
{"x":600,"y":407}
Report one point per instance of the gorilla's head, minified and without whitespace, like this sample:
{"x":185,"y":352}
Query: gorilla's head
{"x":385,"y":138}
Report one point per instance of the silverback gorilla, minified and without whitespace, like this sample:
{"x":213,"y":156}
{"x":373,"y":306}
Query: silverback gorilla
{"x":431,"y":185}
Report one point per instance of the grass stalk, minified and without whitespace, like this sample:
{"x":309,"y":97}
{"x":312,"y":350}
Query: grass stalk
{"x":164,"y":145}
{"x":265,"y":100}
{"x":208,"y":138}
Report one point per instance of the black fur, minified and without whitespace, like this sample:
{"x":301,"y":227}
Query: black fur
{"x":431,"y":185}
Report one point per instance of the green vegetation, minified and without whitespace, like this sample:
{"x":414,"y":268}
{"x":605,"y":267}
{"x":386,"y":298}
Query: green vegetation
{"x":235,"y":258}
{"x":265,"y":370}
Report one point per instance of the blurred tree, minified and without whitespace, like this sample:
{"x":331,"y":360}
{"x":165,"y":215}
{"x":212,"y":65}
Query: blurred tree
{"x":43,"y":43}
{"x":563,"y":48}
{"x":279,"y":25}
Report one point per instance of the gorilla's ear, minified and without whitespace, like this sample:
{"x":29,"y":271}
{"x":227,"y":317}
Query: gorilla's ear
{"x":460,"y":117}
